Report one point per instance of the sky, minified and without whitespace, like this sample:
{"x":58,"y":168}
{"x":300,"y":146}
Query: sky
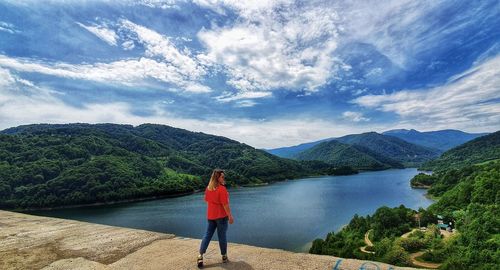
{"x":266,"y":73}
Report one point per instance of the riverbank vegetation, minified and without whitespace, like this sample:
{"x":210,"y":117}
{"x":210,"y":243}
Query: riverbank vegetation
{"x":468,"y":197}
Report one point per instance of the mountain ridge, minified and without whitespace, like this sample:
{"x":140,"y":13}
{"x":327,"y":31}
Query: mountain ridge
{"x":341,"y":154}
{"x":369,"y":150}
{"x":440,"y":139}
{"x":432,"y":140}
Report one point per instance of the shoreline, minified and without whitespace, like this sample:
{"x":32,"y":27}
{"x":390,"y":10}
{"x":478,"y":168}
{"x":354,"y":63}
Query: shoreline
{"x":76,"y":206}
{"x":420,"y":186}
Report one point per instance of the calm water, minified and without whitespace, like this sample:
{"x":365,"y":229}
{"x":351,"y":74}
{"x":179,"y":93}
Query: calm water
{"x":287,"y":215}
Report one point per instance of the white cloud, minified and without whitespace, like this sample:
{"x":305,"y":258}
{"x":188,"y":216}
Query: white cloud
{"x":468,"y":101}
{"x":274,"y":45}
{"x":6,"y":78}
{"x":160,"y":46}
{"x":163,"y":62}
{"x":246,"y":8}
{"x":107,"y":35}
{"x":292,"y":45}
{"x":128,"y":45}
{"x":163,"y":4}
{"x":402,"y":30}
{"x":242,"y":95}
{"x":358,"y":92}
{"x":354,"y":116}
{"x":8,"y":27}
{"x":245,"y":103}
{"x":243,"y":99}
{"x":126,"y":72}
{"x":396,"y":27}
{"x":22,"y":103}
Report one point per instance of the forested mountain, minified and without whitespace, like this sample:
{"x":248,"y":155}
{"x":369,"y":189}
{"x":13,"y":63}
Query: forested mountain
{"x":369,"y":150}
{"x":53,"y":165}
{"x":440,"y":139}
{"x":391,"y":147}
{"x":292,"y":151}
{"x":340,"y":154}
{"x":481,"y":149}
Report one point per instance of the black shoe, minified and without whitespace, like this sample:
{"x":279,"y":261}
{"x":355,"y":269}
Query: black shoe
{"x":199,"y":261}
{"x":224,"y":259}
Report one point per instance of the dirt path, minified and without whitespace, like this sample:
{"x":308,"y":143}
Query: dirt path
{"x":408,"y":233}
{"x":413,"y":257}
{"x":368,"y":243}
{"x":33,"y":242}
{"x":367,"y":239}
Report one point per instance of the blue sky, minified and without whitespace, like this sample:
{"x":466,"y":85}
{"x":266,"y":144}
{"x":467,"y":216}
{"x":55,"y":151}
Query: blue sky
{"x":266,"y":73}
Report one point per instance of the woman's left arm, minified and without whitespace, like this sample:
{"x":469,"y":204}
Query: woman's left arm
{"x":224,"y":200}
{"x":228,"y":212}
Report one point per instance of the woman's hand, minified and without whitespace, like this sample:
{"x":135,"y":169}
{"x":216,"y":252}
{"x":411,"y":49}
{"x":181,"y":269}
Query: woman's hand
{"x":231,"y":219}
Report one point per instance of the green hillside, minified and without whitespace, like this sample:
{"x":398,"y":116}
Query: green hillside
{"x":340,"y":154}
{"x":481,"y":149}
{"x":467,"y":190}
{"x":369,"y":151}
{"x":54,"y":165}
{"x":391,"y":147}
{"x":471,"y":201}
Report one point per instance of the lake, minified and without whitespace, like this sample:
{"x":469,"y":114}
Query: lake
{"x":286,"y":215}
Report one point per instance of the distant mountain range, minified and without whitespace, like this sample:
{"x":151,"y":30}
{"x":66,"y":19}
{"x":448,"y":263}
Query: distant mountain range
{"x":479,"y":150}
{"x":368,"y":151}
{"x":440,"y":139}
{"x":291,"y":151}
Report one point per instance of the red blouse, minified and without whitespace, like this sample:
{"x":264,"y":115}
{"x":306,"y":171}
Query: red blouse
{"x":215,"y":199}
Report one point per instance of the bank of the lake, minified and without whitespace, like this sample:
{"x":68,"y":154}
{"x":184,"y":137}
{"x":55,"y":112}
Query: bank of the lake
{"x":285,"y":215}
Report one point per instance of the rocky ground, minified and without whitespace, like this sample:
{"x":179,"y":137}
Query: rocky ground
{"x":33,"y":242}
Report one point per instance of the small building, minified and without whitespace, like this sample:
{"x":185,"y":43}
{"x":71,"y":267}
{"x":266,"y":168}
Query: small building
{"x":443,"y":226}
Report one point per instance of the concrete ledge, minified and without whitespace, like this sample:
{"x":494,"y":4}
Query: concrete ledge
{"x":33,"y":242}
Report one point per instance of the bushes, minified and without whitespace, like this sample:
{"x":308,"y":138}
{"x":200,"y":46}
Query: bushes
{"x":396,"y":255}
{"x":412,"y":244}
{"x":422,"y":179}
{"x":386,"y":224}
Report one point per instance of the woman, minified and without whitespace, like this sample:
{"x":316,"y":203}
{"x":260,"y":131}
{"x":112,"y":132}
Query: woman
{"x":218,"y":214}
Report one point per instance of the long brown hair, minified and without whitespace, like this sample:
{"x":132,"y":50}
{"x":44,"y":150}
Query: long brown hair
{"x":213,"y":179}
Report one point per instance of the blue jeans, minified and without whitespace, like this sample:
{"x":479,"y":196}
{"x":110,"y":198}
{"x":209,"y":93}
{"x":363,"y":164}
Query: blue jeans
{"x":221,"y":225}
